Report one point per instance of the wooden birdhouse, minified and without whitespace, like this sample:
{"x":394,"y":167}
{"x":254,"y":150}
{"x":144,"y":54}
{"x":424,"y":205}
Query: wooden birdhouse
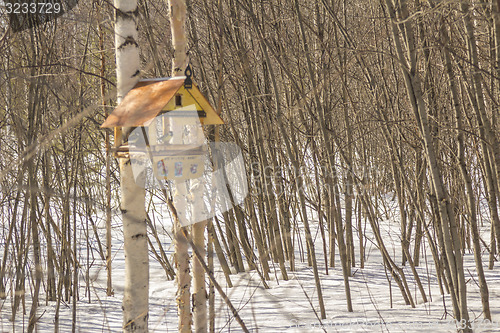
{"x":165,"y":117}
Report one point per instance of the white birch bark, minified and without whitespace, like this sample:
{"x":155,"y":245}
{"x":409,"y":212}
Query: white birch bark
{"x":135,"y":298}
{"x":127,"y":49}
{"x":178,"y":26}
{"x":181,"y":256}
{"x":177,"y":23}
{"x":198,"y":213}
{"x":198,"y":230}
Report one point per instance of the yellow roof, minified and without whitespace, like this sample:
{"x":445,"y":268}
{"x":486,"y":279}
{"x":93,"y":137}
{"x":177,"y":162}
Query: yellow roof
{"x":151,"y":96}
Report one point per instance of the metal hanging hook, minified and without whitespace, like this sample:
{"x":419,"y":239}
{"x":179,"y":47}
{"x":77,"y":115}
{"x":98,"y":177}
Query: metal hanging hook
{"x":188,"y":83}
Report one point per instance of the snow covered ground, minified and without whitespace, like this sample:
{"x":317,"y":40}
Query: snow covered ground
{"x":288,"y":306}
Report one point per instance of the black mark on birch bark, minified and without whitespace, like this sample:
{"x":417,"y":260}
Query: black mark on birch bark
{"x":129,"y":40}
{"x":131,"y":14}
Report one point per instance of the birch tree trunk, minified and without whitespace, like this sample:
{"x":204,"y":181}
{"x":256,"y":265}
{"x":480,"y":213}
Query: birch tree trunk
{"x":179,"y":63}
{"x":198,"y":212}
{"x":181,"y":256}
{"x":178,"y":26}
{"x":199,"y":291}
{"x":135,"y":298}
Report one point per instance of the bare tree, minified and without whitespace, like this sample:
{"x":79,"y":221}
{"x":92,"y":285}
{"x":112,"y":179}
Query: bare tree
{"x":136,"y":293}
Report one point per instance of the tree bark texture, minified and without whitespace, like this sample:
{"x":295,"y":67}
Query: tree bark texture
{"x":136,"y":292}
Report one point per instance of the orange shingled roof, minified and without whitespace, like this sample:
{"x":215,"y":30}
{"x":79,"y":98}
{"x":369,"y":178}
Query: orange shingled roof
{"x":143,"y":102}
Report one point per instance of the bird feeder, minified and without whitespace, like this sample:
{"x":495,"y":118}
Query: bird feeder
{"x":163,"y":120}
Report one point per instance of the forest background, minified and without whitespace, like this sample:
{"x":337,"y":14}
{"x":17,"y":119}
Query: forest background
{"x":335,"y":104}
